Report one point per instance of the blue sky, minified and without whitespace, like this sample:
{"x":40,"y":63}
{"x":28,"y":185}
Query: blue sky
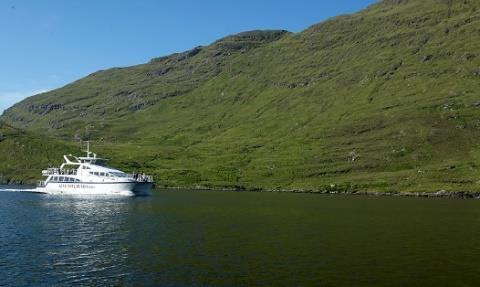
{"x":49,"y":43}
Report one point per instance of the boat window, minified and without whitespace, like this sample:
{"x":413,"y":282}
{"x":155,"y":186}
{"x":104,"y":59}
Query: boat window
{"x":100,"y":162}
{"x":119,"y":174}
{"x":77,"y":180}
{"x":55,"y":178}
{"x":60,"y":178}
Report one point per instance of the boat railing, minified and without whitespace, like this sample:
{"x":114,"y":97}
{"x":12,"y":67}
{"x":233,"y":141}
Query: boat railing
{"x":140,"y":177}
{"x":58,"y":171}
{"x":41,"y":183}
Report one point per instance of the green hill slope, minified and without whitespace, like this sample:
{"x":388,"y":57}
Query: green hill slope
{"x":24,"y":154}
{"x":386,"y":99}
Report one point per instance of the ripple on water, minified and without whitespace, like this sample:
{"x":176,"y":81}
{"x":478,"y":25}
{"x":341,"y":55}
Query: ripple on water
{"x":61,"y":239}
{"x":237,"y":239}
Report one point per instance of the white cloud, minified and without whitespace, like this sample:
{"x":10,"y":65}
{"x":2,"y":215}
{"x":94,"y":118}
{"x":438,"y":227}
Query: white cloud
{"x":7,"y":99}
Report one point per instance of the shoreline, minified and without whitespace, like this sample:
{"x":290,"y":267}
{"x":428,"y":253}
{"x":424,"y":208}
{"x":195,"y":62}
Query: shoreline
{"x":421,"y":194}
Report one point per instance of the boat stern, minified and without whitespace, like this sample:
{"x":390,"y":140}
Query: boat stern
{"x":142,"y":188}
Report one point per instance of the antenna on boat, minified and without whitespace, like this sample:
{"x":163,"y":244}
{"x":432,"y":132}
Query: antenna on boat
{"x":88,"y":149}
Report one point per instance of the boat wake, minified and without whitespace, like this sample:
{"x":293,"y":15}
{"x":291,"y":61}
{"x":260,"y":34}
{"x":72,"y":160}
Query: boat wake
{"x":30,"y":190}
{"x":72,"y":195}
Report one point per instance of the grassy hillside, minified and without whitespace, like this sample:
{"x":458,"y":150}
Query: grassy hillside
{"x":24,"y":154}
{"x":383,"y":100}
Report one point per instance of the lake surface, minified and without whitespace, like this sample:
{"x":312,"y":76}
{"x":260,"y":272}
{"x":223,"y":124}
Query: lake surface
{"x":192,"y":238}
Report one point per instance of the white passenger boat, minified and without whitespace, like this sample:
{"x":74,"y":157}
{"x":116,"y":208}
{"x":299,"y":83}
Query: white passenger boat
{"x":90,"y":176}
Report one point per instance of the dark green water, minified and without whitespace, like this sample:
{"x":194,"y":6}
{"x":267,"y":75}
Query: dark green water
{"x":191,"y":238}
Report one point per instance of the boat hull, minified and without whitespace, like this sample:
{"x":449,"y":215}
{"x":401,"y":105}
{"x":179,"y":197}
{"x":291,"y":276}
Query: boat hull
{"x":114,"y":188}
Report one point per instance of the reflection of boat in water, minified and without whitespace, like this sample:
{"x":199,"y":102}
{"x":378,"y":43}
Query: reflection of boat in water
{"x":89,"y":175}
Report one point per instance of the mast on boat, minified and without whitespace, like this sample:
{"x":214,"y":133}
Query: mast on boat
{"x":89,"y":152}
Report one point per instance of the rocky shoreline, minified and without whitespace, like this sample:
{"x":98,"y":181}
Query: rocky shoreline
{"x":437,"y":194}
